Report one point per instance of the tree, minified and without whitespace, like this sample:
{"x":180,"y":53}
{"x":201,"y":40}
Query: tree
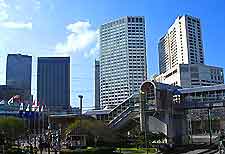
{"x":95,"y":128}
{"x":11,"y":128}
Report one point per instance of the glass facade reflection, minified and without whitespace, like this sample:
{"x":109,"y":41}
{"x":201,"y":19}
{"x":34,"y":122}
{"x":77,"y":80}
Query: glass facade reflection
{"x":18,"y":72}
{"x":53,"y":82}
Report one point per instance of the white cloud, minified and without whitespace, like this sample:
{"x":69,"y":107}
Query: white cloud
{"x":82,"y":38}
{"x":37,"y":4}
{"x":16,"y":25}
{"x":3,"y":15}
{"x":3,"y":10}
{"x":4,"y":18}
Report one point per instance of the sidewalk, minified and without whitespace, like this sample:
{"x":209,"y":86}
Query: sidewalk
{"x":44,"y":152}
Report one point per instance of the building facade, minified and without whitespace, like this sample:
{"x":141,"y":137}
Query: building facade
{"x":122,"y":59}
{"x":97,"y":84}
{"x":204,"y":102}
{"x":192,"y":75}
{"x":18,"y":72}
{"x":7,"y":92}
{"x":181,"y":56}
{"x":53,"y":82}
{"x":182,"y":44}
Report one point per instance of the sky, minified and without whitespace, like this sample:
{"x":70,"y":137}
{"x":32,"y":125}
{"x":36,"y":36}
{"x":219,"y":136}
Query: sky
{"x":71,"y":28}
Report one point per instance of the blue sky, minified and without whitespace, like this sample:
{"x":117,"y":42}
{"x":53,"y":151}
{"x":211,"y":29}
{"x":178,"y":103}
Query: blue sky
{"x":70,"y":27}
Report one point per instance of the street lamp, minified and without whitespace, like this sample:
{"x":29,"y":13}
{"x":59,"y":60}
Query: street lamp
{"x":143,"y":118}
{"x":81,"y":97}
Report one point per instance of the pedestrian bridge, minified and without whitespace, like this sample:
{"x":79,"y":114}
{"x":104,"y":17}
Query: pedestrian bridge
{"x":160,"y":107}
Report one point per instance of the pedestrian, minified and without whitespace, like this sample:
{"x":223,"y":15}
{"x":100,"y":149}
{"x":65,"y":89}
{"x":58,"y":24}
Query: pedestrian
{"x":221,"y":147}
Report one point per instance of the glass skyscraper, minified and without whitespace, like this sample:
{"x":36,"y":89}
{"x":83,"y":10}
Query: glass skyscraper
{"x":53,"y":83}
{"x":18,"y":72}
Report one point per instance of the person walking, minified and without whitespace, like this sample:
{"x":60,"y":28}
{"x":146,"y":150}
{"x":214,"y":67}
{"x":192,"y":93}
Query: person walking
{"x":221,"y":147}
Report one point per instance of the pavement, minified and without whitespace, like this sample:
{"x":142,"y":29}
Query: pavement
{"x":202,"y":151}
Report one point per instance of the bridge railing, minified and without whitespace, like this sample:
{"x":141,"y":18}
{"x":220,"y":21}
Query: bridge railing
{"x":121,"y":116}
{"x":119,"y":109}
{"x":200,"y":104}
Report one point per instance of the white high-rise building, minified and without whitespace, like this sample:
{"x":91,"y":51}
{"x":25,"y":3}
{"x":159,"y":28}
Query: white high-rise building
{"x":182,"y":44}
{"x":122,"y":59}
{"x":181,"y":56}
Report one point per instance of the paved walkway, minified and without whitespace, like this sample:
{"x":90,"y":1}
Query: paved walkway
{"x":201,"y":150}
{"x":195,"y":151}
{"x":47,"y":152}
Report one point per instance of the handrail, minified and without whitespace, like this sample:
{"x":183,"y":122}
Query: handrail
{"x":123,"y":102}
{"x":119,"y":116}
{"x":200,"y":104}
{"x":122,"y":118}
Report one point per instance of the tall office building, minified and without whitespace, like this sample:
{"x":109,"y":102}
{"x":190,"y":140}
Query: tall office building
{"x":181,"y":56}
{"x":18,"y":73}
{"x":182,"y":44}
{"x":97,"y":84}
{"x":122,"y":59}
{"x":53,"y":82}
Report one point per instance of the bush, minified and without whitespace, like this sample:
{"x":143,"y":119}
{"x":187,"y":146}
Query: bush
{"x":15,"y":151}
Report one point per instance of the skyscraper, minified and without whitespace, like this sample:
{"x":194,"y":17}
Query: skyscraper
{"x":181,"y":56}
{"x":53,"y":82}
{"x":97,"y":84}
{"x":18,"y":72}
{"x":182,"y":44}
{"x":122,"y":59}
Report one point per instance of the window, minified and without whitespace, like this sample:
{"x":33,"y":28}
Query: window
{"x":184,"y":69}
{"x":137,"y":20}
{"x":129,"y":20}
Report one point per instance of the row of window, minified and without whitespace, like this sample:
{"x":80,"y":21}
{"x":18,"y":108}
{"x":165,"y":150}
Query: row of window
{"x":136,"y":27}
{"x":141,"y":31}
{"x":111,"y":24}
{"x":135,"y":19}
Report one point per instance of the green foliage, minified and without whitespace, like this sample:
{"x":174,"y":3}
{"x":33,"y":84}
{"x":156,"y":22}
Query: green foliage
{"x":90,"y":151}
{"x":15,"y":151}
{"x":151,"y":137}
{"x":11,"y":127}
{"x":140,"y":140}
{"x":95,"y":128}
{"x":137,"y":150}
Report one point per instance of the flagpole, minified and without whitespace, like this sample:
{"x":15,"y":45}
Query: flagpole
{"x":43,"y":120}
{"x":35,"y":130}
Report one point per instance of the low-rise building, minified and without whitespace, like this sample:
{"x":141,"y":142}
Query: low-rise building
{"x":192,"y":75}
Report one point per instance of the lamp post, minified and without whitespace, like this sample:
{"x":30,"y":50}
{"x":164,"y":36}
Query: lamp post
{"x":81,"y":101}
{"x":143,"y":117}
{"x":81,"y":98}
{"x":190,"y":138}
{"x":210,"y":125}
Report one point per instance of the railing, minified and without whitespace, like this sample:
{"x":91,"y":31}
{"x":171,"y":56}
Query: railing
{"x":200,"y":104}
{"x":119,"y":109}
{"x":120,"y":116}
